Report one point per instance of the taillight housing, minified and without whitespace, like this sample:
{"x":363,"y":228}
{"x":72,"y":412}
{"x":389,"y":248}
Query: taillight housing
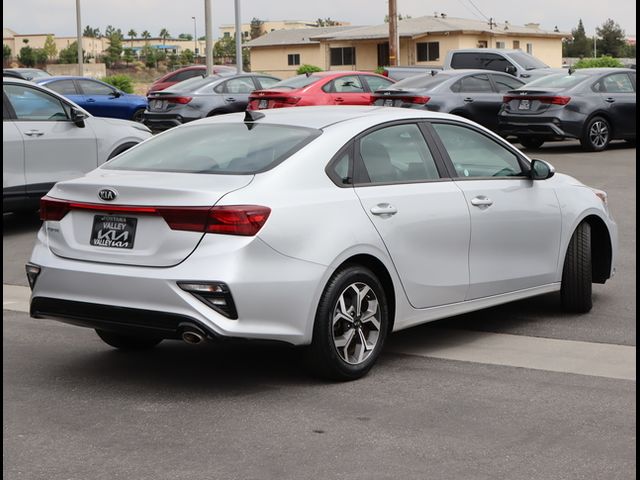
{"x":546,"y":99}
{"x":179,"y":100}
{"x":244,"y":220}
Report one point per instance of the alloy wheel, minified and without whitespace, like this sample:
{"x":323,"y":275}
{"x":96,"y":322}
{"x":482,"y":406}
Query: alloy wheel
{"x":599,"y":134}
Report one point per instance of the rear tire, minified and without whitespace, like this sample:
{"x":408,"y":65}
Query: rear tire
{"x":127,"y":342}
{"x":350,"y":326}
{"x":576,"y":287}
{"x":531,"y":143}
{"x":596,"y":135}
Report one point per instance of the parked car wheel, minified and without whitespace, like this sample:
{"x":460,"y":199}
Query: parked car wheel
{"x":531,"y":142}
{"x":597,"y":135}
{"x":138,"y":115}
{"x":127,"y":342}
{"x":351,"y":325}
{"x":576,"y":274}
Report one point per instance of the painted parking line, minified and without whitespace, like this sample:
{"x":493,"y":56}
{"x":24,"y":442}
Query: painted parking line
{"x":565,"y":356}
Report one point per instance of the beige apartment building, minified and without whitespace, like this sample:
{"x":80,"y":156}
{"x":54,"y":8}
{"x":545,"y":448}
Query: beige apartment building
{"x":423,"y":41}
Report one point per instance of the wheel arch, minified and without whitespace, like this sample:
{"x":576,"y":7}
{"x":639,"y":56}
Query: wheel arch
{"x":601,"y":249}
{"x":121,"y":148}
{"x":606,"y":116}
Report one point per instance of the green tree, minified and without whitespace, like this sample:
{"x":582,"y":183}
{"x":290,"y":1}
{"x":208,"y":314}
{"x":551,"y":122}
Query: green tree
{"x":601,"y":62}
{"x":132,"y":34}
{"x":110,"y":30}
{"x":149,"y":56}
{"x":164,"y":34}
{"x":114,"y":50}
{"x":186,"y":57}
{"x":26,"y":57}
{"x":612,"y":39}
{"x":185,"y":36}
{"x":50,"y":48}
{"x":91,"y":32}
{"x":6,"y":53}
{"x":128,"y":56}
{"x":161,"y":56}
{"x":70,"y":54}
{"x":121,"y":82}
{"x":225,"y":47}
{"x":172,"y":61}
{"x":146,"y":35}
{"x":326,"y":22}
{"x":307,"y":69}
{"x":257,"y":28}
{"x":40,"y":56}
{"x":580,"y":45}
{"x":400,"y":17}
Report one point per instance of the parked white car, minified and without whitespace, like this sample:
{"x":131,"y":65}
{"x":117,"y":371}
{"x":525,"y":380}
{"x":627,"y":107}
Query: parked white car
{"x":47,"y":138}
{"x":320,"y":226}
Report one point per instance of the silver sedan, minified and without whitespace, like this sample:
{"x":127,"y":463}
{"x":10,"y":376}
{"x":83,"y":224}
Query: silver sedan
{"x":324,"y":227}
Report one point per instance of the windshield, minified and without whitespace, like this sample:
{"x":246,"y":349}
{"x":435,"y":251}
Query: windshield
{"x":424,"y":80}
{"x":222,"y":148}
{"x":299,"y":81}
{"x":558,"y":80}
{"x":193,"y":83}
{"x":526,"y":61}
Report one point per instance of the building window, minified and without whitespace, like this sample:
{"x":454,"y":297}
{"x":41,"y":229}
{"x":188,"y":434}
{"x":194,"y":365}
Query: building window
{"x":428,"y":51}
{"x":482,"y":44}
{"x":226,"y":35}
{"x":500,"y":45}
{"x":530,"y":48}
{"x":516,"y":44}
{"x":343,"y":56}
{"x":293,"y":59}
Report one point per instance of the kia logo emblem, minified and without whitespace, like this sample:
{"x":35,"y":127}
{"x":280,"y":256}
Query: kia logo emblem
{"x":107,"y":194}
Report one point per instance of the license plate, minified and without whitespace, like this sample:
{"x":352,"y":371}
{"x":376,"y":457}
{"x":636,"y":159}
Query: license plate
{"x":113,"y":232}
{"x":263,"y":103}
{"x":524,"y":105}
{"x":388,"y":103}
{"x":158,"y":104}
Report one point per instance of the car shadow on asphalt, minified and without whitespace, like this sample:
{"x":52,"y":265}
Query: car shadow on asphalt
{"x":569,"y":147}
{"x":15,"y":223}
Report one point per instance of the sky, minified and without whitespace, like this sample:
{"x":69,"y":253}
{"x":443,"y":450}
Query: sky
{"x":58,"y":16}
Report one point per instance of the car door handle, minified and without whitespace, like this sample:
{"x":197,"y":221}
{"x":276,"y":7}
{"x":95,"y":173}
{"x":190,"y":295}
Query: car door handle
{"x":229,"y":99}
{"x":91,"y":100}
{"x":383,"y":209}
{"x":481,"y":201}
{"x":468,"y":99}
{"x":609,"y":99}
{"x":34,"y":133}
{"x":339,"y":99}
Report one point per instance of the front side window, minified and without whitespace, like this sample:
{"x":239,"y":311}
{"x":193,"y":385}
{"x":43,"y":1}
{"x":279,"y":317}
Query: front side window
{"x":225,"y":148}
{"x":428,"y":51}
{"x":476,"y":155}
{"x":293,"y":59}
{"x":343,"y":56}
{"x":347,"y":84}
{"x":35,"y":105}
{"x":495,"y":62}
{"x":504,"y":83}
{"x":396,"y":154}
{"x":63,"y":87}
{"x":94,"y":88}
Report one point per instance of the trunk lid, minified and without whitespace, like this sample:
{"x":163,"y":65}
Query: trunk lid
{"x":133,"y":228}
{"x":534,"y":102}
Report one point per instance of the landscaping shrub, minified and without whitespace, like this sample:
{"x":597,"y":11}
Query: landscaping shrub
{"x":122,"y":82}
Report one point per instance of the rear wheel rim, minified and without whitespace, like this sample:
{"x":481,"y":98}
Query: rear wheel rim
{"x":356,"y":323}
{"x":599,"y":134}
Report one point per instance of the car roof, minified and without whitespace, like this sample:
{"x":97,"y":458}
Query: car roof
{"x":596,"y":71}
{"x":320,"y":117}
{"x":17,"y":80}
{"x":66,"y":77}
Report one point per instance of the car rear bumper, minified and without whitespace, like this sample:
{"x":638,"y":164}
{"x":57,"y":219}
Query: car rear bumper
{"x":546,"y":126}
{"x":164,"y":121}
{"x":275,"y":296}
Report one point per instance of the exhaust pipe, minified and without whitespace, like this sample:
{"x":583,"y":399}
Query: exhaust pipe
{"x":193,"y":336}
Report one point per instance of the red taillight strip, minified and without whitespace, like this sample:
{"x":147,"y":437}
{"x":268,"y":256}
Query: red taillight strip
{"x":552,"y":100}
{"x":232,"y":220}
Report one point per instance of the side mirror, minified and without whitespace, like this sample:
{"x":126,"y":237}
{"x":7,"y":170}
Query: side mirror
{"x":511,"y":70}
{"x":78,"y":117}
{"x":541,"y":170}
{"x":115,"y":94}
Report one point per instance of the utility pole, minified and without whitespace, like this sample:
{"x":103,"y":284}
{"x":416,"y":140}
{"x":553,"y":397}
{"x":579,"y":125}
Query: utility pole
{"x":208,"y":28}
{"x":393,"y":34}
{"x":79,"y":32}
{"x":238,"y":37}
{"x":594,"y":46}
{"x":195,"y":39}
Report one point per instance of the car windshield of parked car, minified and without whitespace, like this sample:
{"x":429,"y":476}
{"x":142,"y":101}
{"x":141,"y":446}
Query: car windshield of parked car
{"x":425,"y":80}
{"x":527,"y":61}
{"x":559,"y":80}
{"x":299,"y":81}
{"x":193,"y":83}
{"x":224,"y":148}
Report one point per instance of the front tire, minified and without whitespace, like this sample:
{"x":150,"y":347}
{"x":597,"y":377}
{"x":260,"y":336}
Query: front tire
{"x":127,"y":342}
{"x":350,"y":326}
{"x":531,"y":143}
{"x":138,"y":115}
{"x":596,"y":135}
{"x":576,"y":287}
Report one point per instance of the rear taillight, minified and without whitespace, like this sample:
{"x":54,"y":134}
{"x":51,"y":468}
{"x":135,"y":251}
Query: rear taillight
{"x":548,"y":100}
{"x":290,"y":100}
{"x":180,"y":100}
{"x":417,"y":100}
{"x":245,"y":220}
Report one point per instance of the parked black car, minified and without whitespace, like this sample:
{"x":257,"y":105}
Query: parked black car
{"x":24,"y":73}
{"x":473,"y":94}
{"x":593,"y":105}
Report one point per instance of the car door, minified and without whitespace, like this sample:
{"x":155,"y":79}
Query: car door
{"x":103,"y":100}
{"x":420,"y":214}
{"x":54,"y":147}
{"x":235,"y":93}
{"x":13,"y":181}
{"x":515,"y":221}
{"x":347,"y":90}
{"x":618,"y":93}
{"x":477,"y":99}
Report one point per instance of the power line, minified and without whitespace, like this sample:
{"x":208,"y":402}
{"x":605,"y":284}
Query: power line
{"x":476,"y":7}
{"x":468,"y":9}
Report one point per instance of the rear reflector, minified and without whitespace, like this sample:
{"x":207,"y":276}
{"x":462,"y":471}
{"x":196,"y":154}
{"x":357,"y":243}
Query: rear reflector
{"x":548,"y":100}
{"x":245,"y":220}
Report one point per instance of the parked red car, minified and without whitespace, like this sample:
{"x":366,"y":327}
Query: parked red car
{"x":322,"y":88}
{"x":188,"y":72}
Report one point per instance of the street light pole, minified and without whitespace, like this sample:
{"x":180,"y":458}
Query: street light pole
{"x":208,"y":28}
{"x":195,"y":38}
{"x":238,"y":38}
{"x":79,"y":41}
{"x":595,"y":55}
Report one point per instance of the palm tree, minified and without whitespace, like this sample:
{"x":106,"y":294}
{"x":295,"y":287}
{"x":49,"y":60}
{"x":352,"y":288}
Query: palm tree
{"x":164,"y":34}
{"x":132,"y":34}
{"x":146,"y":35}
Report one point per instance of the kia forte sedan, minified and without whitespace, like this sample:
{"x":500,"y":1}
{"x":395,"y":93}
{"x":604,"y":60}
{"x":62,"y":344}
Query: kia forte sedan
{"x":324,"y":227}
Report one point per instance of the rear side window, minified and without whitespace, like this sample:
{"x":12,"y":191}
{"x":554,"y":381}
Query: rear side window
{"x":348,"y":84}
{"x":184,"y":75}
{"x":473,"y":83}
{"x":376,"y":83}
{"x":225,"y":148}
{"x":299,"y":81}
{"x":504,"y":83}
{"x":465,"y":60}
{"x":63,"y":87}
{"x":420,"y":80}
{"x":616,"y":83}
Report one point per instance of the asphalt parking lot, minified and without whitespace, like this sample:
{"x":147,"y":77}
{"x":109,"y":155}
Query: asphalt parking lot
{"x":511,"y":392}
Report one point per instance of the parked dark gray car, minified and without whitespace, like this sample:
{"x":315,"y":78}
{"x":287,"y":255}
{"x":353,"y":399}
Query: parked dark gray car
{"x":473,"y":94}
{"x":202,"y":97}
{"x":593,"y":105}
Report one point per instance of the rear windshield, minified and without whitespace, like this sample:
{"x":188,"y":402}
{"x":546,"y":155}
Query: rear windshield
{"x":299,"y":81}
{"x":559,"y":80}
{"x":193,"y":83}
{"x":425,"y":80}
{"x":223,"y":148}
